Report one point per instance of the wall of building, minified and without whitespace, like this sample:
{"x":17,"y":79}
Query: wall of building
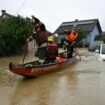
{"x":91,"y":35}
{"x":94,"y":33}
{"x":88,"y":38}
{"x":32,"y":46}
{"x":60,"y":36}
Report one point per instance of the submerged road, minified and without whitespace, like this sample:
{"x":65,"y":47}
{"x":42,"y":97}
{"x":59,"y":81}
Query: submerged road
{"x":82,"y":83}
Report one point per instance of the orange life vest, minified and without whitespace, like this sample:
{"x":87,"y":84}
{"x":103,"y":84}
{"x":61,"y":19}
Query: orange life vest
{"x":72,"y":37}
{"x":59,"y":59}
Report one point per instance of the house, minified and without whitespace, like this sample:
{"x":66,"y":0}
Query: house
{"x":100,"y":37}
{"x":91,"y":27}
{"x":5,"y":15}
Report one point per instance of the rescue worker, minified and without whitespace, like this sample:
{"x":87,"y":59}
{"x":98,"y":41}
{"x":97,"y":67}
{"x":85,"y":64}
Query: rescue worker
{"x":70,"y":42}
{"x":40,"y":35}
{"x":52,"y":49}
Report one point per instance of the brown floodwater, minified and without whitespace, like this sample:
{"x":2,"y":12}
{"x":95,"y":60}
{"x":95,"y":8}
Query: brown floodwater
{"x":82,"y":83}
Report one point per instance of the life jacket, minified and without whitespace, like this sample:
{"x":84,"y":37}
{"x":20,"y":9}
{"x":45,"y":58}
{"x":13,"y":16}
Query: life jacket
{"x":59,"y":59}
{"x":40,"y":37}
{"x":52,"y":50}
{"x":72,"y":37}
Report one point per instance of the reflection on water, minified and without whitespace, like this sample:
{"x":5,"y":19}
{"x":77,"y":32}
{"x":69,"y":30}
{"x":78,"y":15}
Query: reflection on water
{"x":50,"y":89}
{"x":83,"y":83}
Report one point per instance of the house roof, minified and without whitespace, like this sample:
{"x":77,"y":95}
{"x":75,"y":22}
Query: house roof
{"x":86,"y":25}
{"x":5,"y":15}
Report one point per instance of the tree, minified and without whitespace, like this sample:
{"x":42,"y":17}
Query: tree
{"x":104,"y":40}
{"x":13,"y":34}
{"x":81,"y":37}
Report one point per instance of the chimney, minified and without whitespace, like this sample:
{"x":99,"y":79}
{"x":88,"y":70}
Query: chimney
{"x":76,"y":20}
{"x":3,"y":12}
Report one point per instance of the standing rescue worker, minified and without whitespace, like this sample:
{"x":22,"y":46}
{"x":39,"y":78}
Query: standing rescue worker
{"x":52,"y":49}
{"x":40,"y":35}
{"x":70,"y":42}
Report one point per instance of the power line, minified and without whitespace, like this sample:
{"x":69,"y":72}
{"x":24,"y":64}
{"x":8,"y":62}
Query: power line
{"x":22,"y":6}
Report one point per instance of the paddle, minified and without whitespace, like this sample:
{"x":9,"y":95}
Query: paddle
{"x":24,"y":55}
{"x":29,"y":38}
{"x":77,"y":53}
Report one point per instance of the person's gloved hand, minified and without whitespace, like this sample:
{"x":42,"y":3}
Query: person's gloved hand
{"x":29,"y":39}
{"x":73,"y":43}
{"x":32,"y":16}
{"x":65,"y":43}
{"x":64,"y":47}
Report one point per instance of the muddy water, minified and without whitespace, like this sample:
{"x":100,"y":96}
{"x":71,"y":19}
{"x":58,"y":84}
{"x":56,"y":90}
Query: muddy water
{"x":83,"y":83}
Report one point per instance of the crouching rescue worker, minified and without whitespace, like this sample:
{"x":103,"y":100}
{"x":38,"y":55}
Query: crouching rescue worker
{"x":52,"y":50}
{"x":70,"y":42}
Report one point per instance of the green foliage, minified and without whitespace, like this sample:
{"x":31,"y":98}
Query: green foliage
{"x":62,"y":42}
{"x":104,"y":40}
{"x":81,"y":38}
{"x":81,"y":35}
{"x":13,"y":35}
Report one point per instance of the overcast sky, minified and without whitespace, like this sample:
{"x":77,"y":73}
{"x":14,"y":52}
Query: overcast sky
{"x":53,"y":12}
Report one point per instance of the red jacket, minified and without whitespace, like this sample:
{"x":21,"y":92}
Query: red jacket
{"x":52,"y":50}
{"x":40,"y":37}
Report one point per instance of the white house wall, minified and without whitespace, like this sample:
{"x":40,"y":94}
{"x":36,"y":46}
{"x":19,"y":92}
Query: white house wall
{"x":31,"y":47}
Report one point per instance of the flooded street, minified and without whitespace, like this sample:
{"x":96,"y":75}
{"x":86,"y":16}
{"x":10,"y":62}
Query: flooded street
{"x":82,"y":83}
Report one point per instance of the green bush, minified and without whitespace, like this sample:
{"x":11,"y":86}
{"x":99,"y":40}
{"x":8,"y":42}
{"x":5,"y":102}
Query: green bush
{"x":13,"y":35}
{"x":62,"y":42}
{"x":104,"y":40}
{"x":81,"y":35}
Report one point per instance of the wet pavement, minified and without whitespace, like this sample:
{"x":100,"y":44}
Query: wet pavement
{"x":83,"y":83}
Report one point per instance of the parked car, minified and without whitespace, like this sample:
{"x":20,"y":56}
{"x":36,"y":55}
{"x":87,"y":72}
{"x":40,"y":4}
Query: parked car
{"x":95,"y":45}
{"x":101,"y":52}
